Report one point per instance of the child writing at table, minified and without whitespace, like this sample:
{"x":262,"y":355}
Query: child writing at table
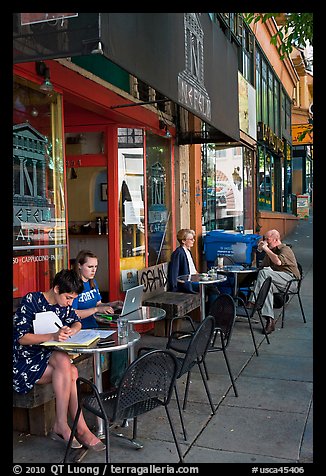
{"x":34,"y":364}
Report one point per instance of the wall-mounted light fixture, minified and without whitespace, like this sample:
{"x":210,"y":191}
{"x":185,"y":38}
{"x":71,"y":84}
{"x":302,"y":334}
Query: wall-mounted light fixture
{"x":73,"y":174}
{"x":43,"y":70}
{"x":167,"y":132}
{"x":98,"y":50}
{"x":163,"y":125}
{"x":34,"y":112}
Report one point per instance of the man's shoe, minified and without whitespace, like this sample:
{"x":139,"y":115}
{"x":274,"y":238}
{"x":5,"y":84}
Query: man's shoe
{"x":270,"y":325}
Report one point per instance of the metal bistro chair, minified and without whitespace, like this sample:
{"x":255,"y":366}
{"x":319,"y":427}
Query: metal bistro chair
{"x":246,"y":282}
{"x":223,"y":311}
{"x":243,"y":311}
{"x":195,"y":348}
{"x":284,"y":296}
{"x":147,"y":383}
{"x":228,"y":285}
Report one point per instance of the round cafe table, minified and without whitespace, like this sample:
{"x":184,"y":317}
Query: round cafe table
{"x":202,"y":279}
{"x":238,"y":271}
{"x":120,"y":343}
{"x":143,"y":314}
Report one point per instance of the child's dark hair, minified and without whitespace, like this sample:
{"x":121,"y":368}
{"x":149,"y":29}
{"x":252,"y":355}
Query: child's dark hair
{"x":68,"y":282}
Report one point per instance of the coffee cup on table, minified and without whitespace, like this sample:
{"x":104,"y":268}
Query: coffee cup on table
{"x":220,"y":262}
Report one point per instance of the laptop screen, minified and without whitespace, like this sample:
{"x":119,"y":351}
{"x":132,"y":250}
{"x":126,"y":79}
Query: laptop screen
{"x":133,"y":300}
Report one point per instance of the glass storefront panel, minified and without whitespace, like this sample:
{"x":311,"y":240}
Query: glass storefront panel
{"x":131,"y":204}
{"x":136,"y":196}
{"x":288,"y":180}
{"x":265,"y":179}
{"x":39,"y":215}
{"x":159,"y":198}
{"x":248,"y":190}
{"x":222,"y":188}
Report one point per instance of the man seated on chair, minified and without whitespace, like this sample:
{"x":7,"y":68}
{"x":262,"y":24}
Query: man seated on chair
{"x":280,"y":263}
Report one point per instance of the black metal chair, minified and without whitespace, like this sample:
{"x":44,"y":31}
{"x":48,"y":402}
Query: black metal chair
{"x":195,"y":349}
{"x":293,"y":288}
{"x":244,"y":311}
{"x":228,"y":285}
{"x":223,"y":312}
{"x":246,"y":283}
{"x":194,"y":355}
{"x":147,"y":383}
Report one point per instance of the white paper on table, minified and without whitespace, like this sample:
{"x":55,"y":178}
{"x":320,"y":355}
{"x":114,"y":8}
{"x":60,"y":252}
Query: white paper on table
{"x":83,"y":338}
{"x":45,"y":322}
{"x":103,"y":334}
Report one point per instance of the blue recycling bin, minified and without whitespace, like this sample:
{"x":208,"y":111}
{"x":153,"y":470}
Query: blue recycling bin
{"x":238,"y":246}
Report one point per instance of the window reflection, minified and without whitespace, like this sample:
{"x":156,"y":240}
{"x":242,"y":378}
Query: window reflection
{"x":158,"y":171}
{"x":39,"y":236}
{"x":265,"y":179}
{"x":131,"y":204}
{"x":131,"y":183}
{"x":222,"y":188}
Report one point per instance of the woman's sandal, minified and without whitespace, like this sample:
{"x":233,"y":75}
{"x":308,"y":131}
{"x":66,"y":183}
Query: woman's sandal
{"x":99,"y":446}
{"x":75,"y":445}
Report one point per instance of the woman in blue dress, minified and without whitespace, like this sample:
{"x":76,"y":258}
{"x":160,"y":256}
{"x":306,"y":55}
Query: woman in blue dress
{"x":89,"y":301}
{"x":35,"y":364}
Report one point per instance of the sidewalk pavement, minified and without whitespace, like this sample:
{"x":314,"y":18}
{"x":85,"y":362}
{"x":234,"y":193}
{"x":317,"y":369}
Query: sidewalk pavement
{"x":271,"y":421}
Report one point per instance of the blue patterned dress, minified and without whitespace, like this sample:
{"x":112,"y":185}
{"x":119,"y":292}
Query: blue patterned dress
{"x":30,"y":361}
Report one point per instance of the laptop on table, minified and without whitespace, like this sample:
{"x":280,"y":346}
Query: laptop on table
{"x":131,"y":303}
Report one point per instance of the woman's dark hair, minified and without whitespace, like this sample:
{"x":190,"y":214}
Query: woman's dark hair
{"x":68,"y":282}
{"x":81,"y":259}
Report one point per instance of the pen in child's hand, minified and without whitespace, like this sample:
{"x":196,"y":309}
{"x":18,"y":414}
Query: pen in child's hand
{"x":59,"y":327}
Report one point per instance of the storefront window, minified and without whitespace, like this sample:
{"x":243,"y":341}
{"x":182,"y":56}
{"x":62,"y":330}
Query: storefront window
{"x":277,"y":129}
{"x":271,"y":98}
{"x":288,"y":180}
{"x":131,"y":204}
{"x":136,"y":196}
{"x":158,"y":179}
{"x":308,"y":183}
{"x":264,"y":92}
{"x":248,"y":192}
{"x":39,"y":230}
{"x":265,"y":179}
{"x":222,"y":188}
{"x":258,"y":86}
